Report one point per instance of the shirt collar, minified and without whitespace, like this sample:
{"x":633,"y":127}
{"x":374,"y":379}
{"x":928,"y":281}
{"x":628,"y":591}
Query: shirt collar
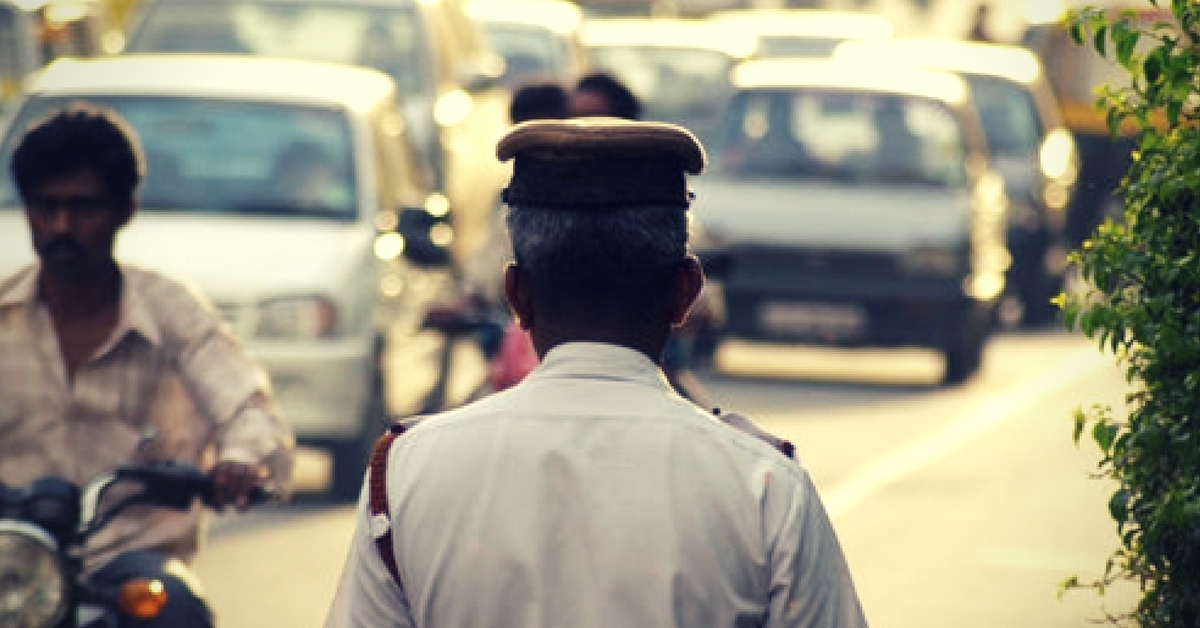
{"x":600,"y":361}
{"x":136,"y":314}
{"x":23,"y":290}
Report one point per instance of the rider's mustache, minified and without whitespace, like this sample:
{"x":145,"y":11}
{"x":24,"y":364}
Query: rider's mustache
{"x":62,"y":245}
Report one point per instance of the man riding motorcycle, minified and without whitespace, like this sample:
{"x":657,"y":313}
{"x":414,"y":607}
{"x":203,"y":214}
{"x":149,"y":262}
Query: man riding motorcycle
{"x":104,"y":364}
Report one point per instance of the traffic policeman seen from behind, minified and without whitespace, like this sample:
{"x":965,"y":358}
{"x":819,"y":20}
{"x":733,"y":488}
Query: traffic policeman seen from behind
{"x":592,"y":494}
{"x":104,"y":364}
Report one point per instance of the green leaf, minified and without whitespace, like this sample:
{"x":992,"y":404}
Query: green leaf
{"x":1104,"y":433}
{"x":1114,"y":117}
{"x":1087,"y":322}
{"x":1118,"y":506}
{"x":1126,"y":40}
{"x":1071,"y":314}
{"x":1174,"y":109}
{"x":1152,"y":68}
{"x":1100,"y":41}
{"x":1080,"y":422}
{"x":1077,"y":32}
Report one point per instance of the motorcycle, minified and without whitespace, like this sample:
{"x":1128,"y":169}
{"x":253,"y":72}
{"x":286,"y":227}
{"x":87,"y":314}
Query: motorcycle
{"x":44,"y":525}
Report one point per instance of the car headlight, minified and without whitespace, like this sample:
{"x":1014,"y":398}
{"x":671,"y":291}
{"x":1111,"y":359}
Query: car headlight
{"x":297,"y":317}
{"x":933,"y":260}
{"x":33,"y":581}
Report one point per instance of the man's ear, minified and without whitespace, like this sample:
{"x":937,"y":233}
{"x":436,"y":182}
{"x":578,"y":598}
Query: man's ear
{"x":688,"y":283}
{"x":519,"y":295}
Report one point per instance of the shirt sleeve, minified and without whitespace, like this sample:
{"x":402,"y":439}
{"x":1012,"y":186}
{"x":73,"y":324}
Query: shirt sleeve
{"x":367,"y":596}
{"x":231,"y":389}
{"x":811,"y":585}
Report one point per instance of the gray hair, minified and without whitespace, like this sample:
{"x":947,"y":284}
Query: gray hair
{"x":600,"y":255}
{"x":638,"y":237}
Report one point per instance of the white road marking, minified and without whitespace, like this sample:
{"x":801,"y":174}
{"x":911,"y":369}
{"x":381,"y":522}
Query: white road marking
{"x":991,"y":412}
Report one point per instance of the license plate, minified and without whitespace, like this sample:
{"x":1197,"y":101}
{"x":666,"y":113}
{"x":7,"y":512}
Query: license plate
{"x":813,"y":319}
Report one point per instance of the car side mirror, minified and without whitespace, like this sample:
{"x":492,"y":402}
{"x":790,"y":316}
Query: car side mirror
{"x":427,"y":237}
{"x":481,"y":75}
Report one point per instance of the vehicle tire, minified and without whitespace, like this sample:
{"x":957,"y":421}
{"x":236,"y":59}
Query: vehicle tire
{"x":350,"y":457}
{"x":1038,"y":311}
{"x":964,"y":355}
{"x":1034,"y":284}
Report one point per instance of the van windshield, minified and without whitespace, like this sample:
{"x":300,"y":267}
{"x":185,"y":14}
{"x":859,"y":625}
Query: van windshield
{"x":388,"y":38}
{"x":227,"y":157}
{"x":867,"y":138}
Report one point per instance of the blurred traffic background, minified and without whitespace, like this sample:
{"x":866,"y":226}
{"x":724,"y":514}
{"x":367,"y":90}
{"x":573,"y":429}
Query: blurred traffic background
{"x":893,"y":191}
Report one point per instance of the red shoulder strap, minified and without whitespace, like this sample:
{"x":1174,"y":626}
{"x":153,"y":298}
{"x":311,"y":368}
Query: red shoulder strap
{"x":381,"y":525}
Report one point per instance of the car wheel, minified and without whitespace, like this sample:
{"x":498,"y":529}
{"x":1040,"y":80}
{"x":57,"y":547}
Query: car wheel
{"x":1038,"y":311}
{"x":1036,"y":285}
{"x":351,"y":457}
{"x":964,"y":355}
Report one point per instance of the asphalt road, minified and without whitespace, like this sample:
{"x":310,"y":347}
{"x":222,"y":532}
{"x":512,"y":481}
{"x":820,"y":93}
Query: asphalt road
{"x":962,"y":507}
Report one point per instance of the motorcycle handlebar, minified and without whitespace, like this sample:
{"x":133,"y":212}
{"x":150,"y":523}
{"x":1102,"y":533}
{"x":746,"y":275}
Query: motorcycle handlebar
{"x":165,"y":484}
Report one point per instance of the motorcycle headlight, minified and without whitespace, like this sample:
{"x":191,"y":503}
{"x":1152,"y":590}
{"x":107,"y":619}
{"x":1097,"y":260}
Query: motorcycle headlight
{"x":33,"y":581}
{"x":298,"y":317}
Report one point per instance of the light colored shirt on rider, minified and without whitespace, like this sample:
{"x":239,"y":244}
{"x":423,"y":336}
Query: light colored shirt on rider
{"x":591,"y":495}
{"x":170,"y":383}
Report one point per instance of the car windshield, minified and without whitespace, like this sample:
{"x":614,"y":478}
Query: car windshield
{"x":223,"y":156}
{"x":868,"y":138}
{"x":790,"y":46}
{"x":528,"y":51}
{"x":1009,"y":116}
{"x":674,"y":83}
{"x":388,"y":38}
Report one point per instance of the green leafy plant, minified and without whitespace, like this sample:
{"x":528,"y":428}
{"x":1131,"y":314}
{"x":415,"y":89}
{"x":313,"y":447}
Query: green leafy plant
{"x":1143,"y":304}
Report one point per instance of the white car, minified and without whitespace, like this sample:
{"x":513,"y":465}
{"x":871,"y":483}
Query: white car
{"x":856,"y":207}
{"x":272,"y":186}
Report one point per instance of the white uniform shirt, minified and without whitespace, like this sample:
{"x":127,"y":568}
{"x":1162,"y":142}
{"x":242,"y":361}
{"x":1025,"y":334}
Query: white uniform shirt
{"x":591,"y":495}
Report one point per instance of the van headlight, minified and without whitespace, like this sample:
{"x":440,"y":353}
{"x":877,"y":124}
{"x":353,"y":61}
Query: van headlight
{"x":933,"y":260}
{"x":33,"y":581}
{"x":297,"y":317}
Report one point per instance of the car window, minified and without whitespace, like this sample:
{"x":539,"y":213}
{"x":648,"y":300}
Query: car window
{"x":673,"y":82}
{"x":1009,"y":116}
{"x":529,"y":52}
{"x":867,"y":137}
{"x":391,"y":40}
{"x":787,"y":46}
{"x":218,"y":156}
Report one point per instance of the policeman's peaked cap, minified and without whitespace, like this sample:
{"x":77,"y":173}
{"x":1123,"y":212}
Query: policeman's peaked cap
{"x":599,"y":163}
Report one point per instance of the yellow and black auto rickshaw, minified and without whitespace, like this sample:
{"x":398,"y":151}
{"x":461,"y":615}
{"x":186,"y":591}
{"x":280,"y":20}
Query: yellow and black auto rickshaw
{"x":1076,"y":72}
{"x":35,"y":32}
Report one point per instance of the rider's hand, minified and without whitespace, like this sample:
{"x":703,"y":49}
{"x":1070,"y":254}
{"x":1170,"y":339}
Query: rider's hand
{"x":233,"y":482}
